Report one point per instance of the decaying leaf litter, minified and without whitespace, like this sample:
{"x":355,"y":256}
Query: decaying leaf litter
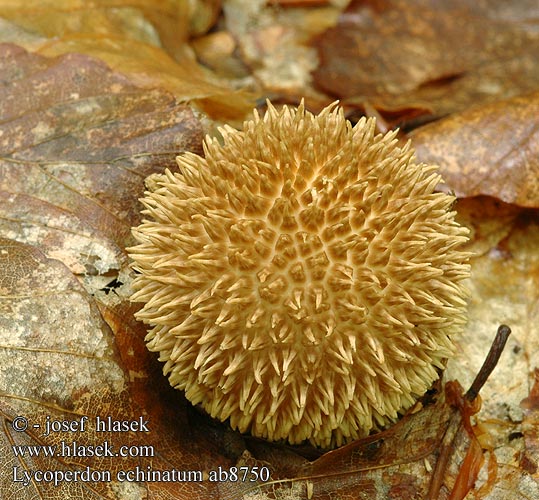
{"x":505,"y":232}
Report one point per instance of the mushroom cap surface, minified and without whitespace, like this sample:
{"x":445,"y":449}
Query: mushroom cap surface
{"x":302,"y":280}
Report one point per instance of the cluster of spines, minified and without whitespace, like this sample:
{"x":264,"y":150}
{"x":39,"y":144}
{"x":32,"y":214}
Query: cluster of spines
{"x":285,"y":276}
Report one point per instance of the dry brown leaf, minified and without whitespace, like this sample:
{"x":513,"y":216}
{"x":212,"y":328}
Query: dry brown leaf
{"x":409,"y":57}
{"x":165,"y":23}
{"x":70,"y":153}
{"x":487,"y":150}
{"x":150,"y":67}
{"x":137,"y":37}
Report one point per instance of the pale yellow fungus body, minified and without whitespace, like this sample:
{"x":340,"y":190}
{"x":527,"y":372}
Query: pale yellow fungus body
{"x":303,"y":280}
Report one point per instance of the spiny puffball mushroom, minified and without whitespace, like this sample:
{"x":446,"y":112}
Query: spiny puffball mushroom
{"x":303,"y":279}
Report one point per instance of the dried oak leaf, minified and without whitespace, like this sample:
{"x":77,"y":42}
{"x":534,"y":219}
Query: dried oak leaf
{"x":406,"y":57}
{"x":146,"y":40}
{"x":76,"y":142}
{"x":491,"y":149}
{"x":163,"y":23}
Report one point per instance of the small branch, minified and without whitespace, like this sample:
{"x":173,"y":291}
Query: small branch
{"x":490,"y":362}
{"x":463,"y":408}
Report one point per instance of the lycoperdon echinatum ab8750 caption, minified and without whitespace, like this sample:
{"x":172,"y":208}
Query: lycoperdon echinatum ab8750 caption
{"x":302,"y":279}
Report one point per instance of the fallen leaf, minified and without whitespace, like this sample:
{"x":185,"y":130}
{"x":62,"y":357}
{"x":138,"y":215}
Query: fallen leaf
{"x":146,"y":40}
{"x":491,"y":149}
{"x":163,"y":24}
{"x":413,"y":56}
{"x":68,"y":151}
